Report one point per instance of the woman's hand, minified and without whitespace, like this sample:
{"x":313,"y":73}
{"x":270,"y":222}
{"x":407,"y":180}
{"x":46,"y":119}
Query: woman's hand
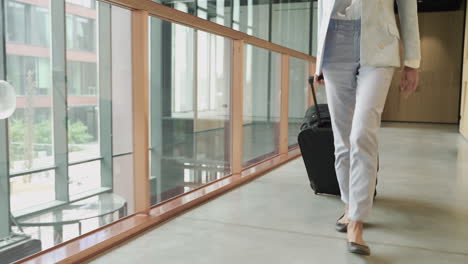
{"x":319,"y":80}
{"x":409,"y":81}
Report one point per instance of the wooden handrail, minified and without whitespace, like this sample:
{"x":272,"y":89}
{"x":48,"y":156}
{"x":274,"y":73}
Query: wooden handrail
{"x":179,"y":17}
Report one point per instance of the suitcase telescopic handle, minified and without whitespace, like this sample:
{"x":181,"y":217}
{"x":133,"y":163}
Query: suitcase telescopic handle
{"x":311,"y":82}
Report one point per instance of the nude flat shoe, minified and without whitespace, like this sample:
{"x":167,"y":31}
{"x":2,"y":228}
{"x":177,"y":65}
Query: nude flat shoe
{"x":358,"y":249}
{"x":340,"y":227}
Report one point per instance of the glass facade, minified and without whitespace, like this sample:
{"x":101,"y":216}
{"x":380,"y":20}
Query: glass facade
{"x":298,"y":97}
{"x":261,"y":116}
{"x":284,"y":22}
{"x":81,"y":30}
{"x":291,"y":24}
{"x":69,"y":62}
{"x":26,"y":23}
{"x":27,"y":69}
{"x":82,"y":84}
{"x":66,"y":167}
{"x":190,"y":93}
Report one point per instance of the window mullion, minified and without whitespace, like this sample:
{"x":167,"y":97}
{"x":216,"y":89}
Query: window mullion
{"x":27,"y":24}
{"x":59,"y":92}
{"x":4,"y":180}
{"x":105,"y":92}
{"x":4,"y":168}
{"x":161,"y":54}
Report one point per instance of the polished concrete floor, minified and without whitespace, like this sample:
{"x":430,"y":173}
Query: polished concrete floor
{"x":420,"y":214}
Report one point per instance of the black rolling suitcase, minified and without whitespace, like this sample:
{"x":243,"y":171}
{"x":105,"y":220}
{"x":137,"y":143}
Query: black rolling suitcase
{"x":316,"y":143}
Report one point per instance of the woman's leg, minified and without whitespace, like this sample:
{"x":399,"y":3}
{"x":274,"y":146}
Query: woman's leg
{"x":340,"y":64}
{"x":372,"y":89}
{"x":340,"y":80}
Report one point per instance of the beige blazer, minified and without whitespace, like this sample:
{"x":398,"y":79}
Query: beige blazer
{"x":380,"y":36}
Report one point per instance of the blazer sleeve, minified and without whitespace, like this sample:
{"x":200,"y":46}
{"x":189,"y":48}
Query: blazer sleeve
{"x":408,"y":14}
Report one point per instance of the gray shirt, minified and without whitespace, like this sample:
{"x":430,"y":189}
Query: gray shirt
{"x":347,"y":10}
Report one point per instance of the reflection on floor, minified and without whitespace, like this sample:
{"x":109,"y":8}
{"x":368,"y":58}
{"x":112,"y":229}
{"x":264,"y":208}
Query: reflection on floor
{"x":420,"y":214}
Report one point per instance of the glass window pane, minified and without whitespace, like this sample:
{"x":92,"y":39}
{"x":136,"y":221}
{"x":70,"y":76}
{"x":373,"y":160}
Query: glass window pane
{"x":84,"y":177}
{"x":28,"y":70}
{"x":218,"y":11}
{"x":81,"y":31}
{"x":34,"y":196}
{"x":83,"y":96}
{"x":70,"y":31}
{"x":73,"y":78}
{"x":298,"y":97}
{"x":32,"y":190}
{"x":262,"y":89}
{"x":83,"y":134}
{"x":85,"y":33}
{"x":190,"y":91}
{"x":27,"y":23}
{"x":39,"y":26}
{"x":83,"y":3}
{"x":291,"y":24}
{"x":15,"y":73}
{"x":15,"y":21}
{"x":43,"y":82}
{"x":252,"y":18}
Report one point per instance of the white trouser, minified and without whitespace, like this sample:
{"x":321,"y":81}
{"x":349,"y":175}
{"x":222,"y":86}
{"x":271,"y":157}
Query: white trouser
{"x":356,"y":96}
